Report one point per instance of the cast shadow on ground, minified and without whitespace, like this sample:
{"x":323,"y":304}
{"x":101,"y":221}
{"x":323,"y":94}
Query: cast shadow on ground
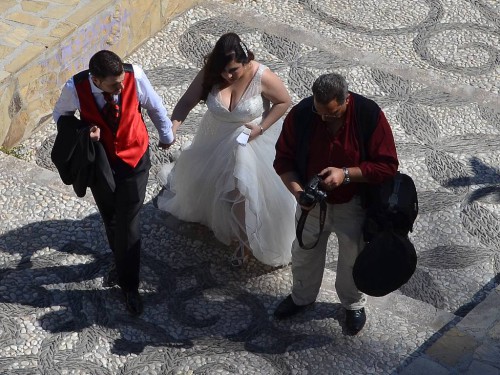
{"x":488,"y":179}
{"x":59,"y":264}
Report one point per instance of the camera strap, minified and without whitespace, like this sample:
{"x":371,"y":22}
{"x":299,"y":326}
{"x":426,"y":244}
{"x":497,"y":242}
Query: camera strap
{"x":302,"y":221}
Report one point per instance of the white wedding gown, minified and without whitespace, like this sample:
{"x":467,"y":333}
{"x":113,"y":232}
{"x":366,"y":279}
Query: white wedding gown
{"x":232,"y":188}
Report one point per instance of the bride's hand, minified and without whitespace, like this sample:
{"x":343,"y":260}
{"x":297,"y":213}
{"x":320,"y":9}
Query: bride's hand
{"x":254,"y":131}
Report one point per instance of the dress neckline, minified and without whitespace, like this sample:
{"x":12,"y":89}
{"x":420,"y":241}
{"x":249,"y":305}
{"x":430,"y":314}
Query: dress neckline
{"x":219,"y":98}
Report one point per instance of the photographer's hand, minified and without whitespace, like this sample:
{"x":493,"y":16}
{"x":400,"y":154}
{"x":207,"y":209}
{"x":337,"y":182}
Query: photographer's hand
{"x":292,"y":182}
{"x":332,"y":178}
{"x":304,"y":207}
{"x":307,"y":208}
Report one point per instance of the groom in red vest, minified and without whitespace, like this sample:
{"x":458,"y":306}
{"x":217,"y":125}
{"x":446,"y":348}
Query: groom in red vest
{"x":109,"y":97}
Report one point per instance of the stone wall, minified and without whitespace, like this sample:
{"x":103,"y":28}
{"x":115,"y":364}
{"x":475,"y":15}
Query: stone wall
{"x":43,"y":43}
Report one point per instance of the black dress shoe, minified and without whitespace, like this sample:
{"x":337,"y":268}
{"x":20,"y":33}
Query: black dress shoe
{"x":288,"y":308}
{"x":111,"y":279}
{"x":355,"y":320}
{"x":133,"y":302}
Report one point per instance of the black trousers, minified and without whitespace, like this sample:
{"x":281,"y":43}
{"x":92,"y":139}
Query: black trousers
{"x":120,"y":213}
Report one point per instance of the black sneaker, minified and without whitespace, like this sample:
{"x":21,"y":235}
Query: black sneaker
{"x":355,"y":320}
{"x":288,"y":308}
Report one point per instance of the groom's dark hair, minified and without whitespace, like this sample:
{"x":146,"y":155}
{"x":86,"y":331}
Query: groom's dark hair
{"x":105,"y":63}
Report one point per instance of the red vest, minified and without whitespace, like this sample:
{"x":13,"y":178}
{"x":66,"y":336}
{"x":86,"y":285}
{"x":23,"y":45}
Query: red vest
{"x":131,"y":140}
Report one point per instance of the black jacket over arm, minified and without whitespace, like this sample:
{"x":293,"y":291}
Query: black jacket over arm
{"x":80,"y":161}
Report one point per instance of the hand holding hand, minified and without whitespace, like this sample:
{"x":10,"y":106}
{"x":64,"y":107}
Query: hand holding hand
{"x":166,"y":146}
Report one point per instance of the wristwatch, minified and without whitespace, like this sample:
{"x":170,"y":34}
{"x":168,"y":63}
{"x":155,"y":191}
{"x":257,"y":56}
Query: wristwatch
{"x":347,"y":178}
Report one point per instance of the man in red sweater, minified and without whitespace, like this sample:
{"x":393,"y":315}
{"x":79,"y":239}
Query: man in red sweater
{"x":109,"y":97}
{"x":320,"y":137}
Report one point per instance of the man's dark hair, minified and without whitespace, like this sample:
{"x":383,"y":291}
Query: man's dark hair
{"x":328,"y":87}
{"x":105,"y":64}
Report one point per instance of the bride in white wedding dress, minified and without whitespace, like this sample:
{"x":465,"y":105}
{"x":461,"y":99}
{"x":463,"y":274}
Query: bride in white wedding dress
{"x":232,"y":188}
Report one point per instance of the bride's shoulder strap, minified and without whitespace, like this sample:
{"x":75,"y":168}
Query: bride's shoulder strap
{"x":260,"y":72}
{"x":261,"y":68}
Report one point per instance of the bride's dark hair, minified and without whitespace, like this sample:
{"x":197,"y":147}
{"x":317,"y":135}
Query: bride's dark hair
{"x":229,"y":47}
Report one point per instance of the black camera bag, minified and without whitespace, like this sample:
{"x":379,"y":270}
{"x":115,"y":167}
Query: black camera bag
{"x":392,"y":205}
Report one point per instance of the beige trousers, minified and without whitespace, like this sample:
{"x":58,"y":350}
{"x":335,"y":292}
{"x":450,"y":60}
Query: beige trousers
{"x":346,"y":221}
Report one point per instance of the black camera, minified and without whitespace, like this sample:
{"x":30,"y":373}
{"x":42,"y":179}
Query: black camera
{"x":312,"y":193}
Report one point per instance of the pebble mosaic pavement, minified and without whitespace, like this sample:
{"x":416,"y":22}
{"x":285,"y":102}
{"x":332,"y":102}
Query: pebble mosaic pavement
{"x":433,"y":66}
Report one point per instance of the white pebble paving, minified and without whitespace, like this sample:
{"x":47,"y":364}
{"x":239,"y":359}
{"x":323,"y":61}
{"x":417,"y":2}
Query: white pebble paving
{"x":394,"y":330}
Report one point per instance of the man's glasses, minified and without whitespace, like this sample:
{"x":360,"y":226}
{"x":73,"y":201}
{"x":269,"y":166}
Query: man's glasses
{"x":330,"y":117}
{"x":325,"y":117}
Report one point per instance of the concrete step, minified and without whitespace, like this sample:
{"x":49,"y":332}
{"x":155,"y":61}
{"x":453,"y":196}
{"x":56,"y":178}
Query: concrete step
{"x":472,"y":346}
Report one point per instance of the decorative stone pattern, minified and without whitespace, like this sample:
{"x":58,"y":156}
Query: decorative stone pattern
{"x":202,"y":317}
{"x":455,"y":42}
